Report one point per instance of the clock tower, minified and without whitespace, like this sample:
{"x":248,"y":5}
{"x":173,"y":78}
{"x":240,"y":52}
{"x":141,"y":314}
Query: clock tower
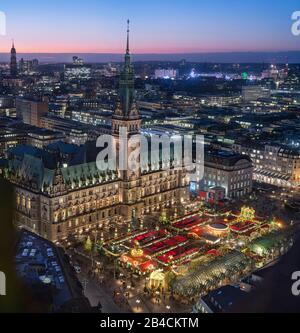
{"x":126,"y":127}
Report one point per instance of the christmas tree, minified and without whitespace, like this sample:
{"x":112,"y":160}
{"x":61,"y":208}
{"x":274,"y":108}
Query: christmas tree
{"x":88,"y":246}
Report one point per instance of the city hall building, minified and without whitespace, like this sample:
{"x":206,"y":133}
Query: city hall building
{"x":60,"y":191}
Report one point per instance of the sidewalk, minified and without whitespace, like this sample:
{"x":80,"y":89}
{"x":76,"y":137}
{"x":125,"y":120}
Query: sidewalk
{"x":96,"y":293}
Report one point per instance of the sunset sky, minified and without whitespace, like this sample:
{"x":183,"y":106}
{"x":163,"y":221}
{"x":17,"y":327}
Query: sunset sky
{"x":158,"y":26}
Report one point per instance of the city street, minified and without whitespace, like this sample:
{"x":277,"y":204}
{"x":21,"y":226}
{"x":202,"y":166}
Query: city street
{"x":96,"y":293}
{"x":128,"y":291}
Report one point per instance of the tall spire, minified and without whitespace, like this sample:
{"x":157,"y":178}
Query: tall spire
{"x":127,"y":54}
{"x":127,"y":106}
{"x":13,"y":61}
{"x":128,"y":31}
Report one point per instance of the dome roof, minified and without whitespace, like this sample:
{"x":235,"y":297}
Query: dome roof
{"x":218,"y":226}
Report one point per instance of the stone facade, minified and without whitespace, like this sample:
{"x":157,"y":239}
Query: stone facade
{"x":228,"y":170}
{"x":67,"y":202}
{"x":273,"y":164}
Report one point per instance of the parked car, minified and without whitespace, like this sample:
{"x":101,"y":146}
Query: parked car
{"x":77,"y":269}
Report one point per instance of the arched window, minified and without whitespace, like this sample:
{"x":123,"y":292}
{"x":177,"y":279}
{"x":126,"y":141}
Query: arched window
{"x":18,"y":199}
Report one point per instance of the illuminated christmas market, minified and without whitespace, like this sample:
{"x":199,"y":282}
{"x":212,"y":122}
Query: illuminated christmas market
{"x":200,"y":251}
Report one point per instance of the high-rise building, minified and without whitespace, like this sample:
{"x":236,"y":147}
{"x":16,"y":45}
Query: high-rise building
{"x":7,"y":106}
{"x":77,"y":72}
{"x":271,"y":73}
{"x":31,"y":111}
{"x":78,"y":61}
{"x":28,"y":66}
{"x":169,"y":73}
{"x":13,"y":61}
{"x":253,"y":93}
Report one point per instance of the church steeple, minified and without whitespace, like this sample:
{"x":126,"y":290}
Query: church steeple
{"x":13,"y":61}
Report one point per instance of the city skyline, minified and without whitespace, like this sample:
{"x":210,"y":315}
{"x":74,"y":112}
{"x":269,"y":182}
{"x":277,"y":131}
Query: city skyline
{"x":151,"y":183}
{"x":167,"y":27}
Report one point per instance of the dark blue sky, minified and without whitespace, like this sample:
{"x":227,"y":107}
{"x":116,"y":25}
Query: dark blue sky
{"x":158,"y":26}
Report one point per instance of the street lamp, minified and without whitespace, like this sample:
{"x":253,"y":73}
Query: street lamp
{"x":95,"y":232}
{"x":157,"y":296}
{"x":138,"y":302}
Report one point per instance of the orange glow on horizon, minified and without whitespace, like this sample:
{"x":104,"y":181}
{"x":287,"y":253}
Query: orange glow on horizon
{"x":116,"y":48}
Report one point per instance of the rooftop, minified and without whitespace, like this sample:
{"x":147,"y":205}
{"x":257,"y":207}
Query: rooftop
{"x":224,"y":157}
{"x":222,"y":299}
{"x":64,"y":148}
{"x":43,"y":268}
